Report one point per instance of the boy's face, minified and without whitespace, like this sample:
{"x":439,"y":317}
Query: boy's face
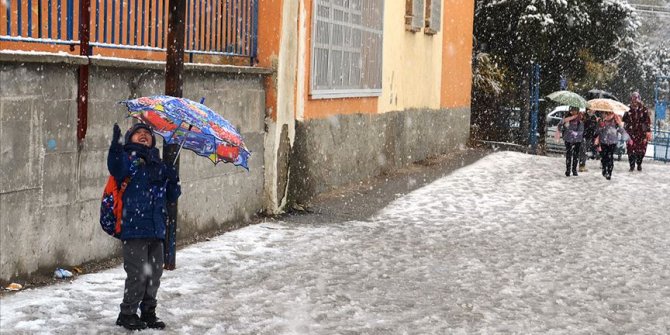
{"x":142,"y":136}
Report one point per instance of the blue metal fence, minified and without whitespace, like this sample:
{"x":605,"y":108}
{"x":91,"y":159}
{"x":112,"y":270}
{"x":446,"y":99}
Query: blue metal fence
{"x":214,"y":27}
{"x":661,"y":141}
{"x":25,"y":21}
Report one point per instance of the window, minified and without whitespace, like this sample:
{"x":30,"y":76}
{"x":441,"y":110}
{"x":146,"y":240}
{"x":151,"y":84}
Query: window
{"x":418,"y":16}
{"x":433,"y":16}
{"x":414,"y":15}
{"x":347,"y":48}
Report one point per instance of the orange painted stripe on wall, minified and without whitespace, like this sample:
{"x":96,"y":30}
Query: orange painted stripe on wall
{"x":269,"y":34}
{"x":458,"y":20}
{"x":38,"y":47}
{"x":323,"y":108}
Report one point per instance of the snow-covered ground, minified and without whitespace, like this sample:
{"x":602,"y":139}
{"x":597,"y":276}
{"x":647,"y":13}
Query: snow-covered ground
{"x":506,"y":245}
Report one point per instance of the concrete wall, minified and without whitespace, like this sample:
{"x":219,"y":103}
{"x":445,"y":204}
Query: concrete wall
{"x":342,"y":149}
{"x":50,"y":187}
{"x":278,"y":49}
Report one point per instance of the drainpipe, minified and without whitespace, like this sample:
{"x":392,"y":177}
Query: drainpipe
{"x":84,"y":50}
{"x":174,"y":70}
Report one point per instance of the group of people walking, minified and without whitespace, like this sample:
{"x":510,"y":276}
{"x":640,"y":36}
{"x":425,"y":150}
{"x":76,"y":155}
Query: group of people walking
{"x":599,"y":132}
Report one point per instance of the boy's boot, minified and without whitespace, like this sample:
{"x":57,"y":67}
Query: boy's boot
{"x":574,"y":167}
{"x":152,"y":320}
{"x":130,"y":321}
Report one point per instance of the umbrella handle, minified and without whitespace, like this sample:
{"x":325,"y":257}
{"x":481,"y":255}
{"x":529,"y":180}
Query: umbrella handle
{"x":178,"y":152}
{"x":175,"y":160}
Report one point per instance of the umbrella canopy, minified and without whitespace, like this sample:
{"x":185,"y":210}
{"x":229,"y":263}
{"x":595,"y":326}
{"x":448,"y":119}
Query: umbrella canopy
{"x":600,"y":94}
{"x":568,"y":98}
{"x":191,"y":125}
{"x":607,"y":105}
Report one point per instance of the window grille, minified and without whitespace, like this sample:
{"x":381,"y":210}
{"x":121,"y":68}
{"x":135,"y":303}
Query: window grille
{"x":347,"y":48}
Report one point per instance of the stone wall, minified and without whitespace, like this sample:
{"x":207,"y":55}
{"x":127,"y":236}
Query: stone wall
{"x":50,"y":187}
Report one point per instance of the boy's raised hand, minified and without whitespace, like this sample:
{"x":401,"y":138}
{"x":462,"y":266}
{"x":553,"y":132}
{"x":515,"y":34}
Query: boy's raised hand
{"x":116,"y":138}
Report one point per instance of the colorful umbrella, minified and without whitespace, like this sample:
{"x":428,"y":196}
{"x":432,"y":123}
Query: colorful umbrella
{"x":607,"y":105}
{"x":568,"y":98}
{"x":191,"y":125}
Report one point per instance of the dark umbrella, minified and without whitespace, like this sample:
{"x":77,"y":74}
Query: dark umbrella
{"x":600,"y":94}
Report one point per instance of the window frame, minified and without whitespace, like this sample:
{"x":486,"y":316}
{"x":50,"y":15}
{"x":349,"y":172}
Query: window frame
{"x":347,"y":48}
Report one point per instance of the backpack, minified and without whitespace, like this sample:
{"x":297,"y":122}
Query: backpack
{"x":111,"y":206}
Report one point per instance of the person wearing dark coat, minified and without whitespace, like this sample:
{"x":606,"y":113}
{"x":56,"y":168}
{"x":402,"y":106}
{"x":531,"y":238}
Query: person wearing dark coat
{"x":638,"y":125}
{"x":572,"y":129}
{"x":151,"y":184}
{"x":610,"y":128}
{"x":590,"y":128}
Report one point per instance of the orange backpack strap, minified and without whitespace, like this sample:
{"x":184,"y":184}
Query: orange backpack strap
{"x":118,"y":205}
{"x":124,"y":184}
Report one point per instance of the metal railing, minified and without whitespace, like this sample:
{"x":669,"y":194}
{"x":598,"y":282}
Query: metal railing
{"x":661,"y":141}
{"x":40,"y":21}
{"x":661,"y":145}
{"x":214,"y":27}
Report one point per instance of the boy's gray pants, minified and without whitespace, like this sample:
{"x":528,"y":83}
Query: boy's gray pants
{"x":143,"y":262}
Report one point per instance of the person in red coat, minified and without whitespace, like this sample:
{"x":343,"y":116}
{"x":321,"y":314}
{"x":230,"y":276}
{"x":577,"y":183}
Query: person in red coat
{"x":638,"y":126}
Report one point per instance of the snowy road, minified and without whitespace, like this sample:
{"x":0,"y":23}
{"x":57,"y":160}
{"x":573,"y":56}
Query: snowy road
{"x":506,"y":245}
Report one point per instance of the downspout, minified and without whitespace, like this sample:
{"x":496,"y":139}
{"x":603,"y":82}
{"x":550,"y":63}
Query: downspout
{"x":174,"y":82}
{"x":84,"y":50}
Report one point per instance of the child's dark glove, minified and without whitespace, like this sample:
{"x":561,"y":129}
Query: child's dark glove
{"x":116,"y":139}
